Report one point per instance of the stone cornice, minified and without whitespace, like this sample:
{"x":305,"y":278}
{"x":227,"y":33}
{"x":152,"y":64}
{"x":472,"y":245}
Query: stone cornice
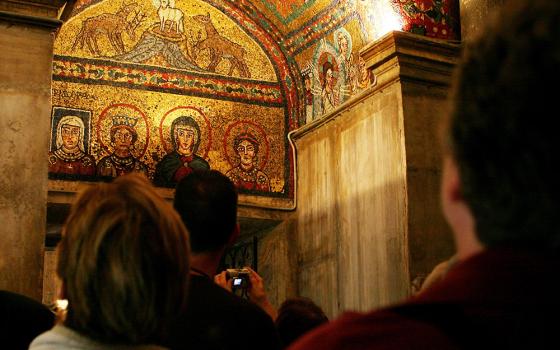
{"x":41,"y":13}
{"x":406,"y":56}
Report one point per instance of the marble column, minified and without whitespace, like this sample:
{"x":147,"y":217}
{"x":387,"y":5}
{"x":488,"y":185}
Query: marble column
{"x":27,"y":32}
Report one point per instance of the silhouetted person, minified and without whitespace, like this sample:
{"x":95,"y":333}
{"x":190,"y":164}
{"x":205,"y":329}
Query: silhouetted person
{"x":500,"y":197}
{"x":124,"y":262}
{"x":297,"y":316}
{"x":22,"y":319}
{"x":215,"y":318}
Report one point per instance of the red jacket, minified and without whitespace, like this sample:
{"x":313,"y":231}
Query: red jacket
{"x":499,"y":299}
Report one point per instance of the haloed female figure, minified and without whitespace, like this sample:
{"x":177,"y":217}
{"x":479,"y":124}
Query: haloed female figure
{"x":69,"y":158}
{"x":185,"y":136}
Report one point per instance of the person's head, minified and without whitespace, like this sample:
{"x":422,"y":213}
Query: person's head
{"x":185,"y":134}
{"x":500,"y":144}
{"x":307,"y":81}
{"x":297,"y":316}
{"x":122,"y":133}
{"x":328,"y":75}
{"x":70,"y":133}
{"x":207,"y":203}
{"x":124,"y":262}
{"x":342,"y":41}
{"x":246,"y":146}
{"x":123,"y":138}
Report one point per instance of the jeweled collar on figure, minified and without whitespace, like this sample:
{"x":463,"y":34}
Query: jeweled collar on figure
{"x":69,"y":156}
{"x":247,"y":175}
{"x":124,"y":162}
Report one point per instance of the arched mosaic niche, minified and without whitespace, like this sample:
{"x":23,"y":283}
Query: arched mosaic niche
{"x":164,"y":87}
{"x":235,"y":76}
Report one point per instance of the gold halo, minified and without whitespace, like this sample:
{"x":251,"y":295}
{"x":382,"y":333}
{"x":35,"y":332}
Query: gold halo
{"x":104,"y":124}
{"x":244,"y":126}
{"x":188,"y":111}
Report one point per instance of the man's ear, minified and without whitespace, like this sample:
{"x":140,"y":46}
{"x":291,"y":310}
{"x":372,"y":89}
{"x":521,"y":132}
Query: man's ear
{"x":234,"y":235}
{"x":451,"y":182}
{"x":457,"y":212}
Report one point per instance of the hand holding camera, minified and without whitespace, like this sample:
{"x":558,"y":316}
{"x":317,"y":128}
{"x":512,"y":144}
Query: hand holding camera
{"x":233,"y":279}
{"x":239,"y":278}
{"x":249,"y":283}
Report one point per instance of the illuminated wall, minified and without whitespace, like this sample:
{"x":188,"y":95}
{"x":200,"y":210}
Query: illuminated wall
{"x":164,"y":87}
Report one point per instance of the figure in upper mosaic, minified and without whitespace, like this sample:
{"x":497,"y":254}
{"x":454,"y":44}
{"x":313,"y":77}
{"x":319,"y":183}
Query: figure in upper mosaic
{"x":125,"y":20}
{"x":219,"y":48}
{"x":123,"y":136}
{"x":185,"y":137}
{"x":69,"y":157}
{"x":247,"y":175}
{"x":170,"y":15}
{"x":330,"y":97}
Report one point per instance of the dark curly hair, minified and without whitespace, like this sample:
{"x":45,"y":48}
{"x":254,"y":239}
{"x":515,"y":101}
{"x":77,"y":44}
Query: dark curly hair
{"x":498,"y":129}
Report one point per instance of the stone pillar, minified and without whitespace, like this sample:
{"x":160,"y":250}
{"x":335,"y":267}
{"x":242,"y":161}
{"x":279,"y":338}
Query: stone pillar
{"x":26,"y":43}
{"x":422,"y":68}
{"x":368,"y":219}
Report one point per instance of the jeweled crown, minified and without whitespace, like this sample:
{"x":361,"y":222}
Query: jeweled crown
{"x":124,"y":120}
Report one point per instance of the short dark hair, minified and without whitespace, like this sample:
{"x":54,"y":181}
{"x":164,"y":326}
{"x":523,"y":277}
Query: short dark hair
{"x":500,"y":131}
{"x":297,"y":316}
{"x":124,"y":261}
{"x":206,"y":200}
{"x":246,"y":137}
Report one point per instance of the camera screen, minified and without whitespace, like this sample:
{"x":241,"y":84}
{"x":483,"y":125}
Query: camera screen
{"x":237,"y":281}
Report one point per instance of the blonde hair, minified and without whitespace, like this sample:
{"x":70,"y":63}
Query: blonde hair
{"x":124,"y":262}
{"x":73,"y":121}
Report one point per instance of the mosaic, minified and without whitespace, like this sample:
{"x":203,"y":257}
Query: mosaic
{"x":434,"y":18}
{"x":333,"y":75}
{"x":110,"y":132}
{"x":163,"y":87}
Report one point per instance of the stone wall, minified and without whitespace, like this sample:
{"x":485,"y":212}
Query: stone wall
{"x":26,"y":43}
{"x":368,"y":215}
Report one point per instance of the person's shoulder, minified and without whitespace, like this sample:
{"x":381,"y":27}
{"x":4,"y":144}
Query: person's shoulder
{"x":170,"y":156}
{"x":199,"y":163}
{"x":104,"y":160}
{"x":14,"y":301}
{"x":88,"y":160}
{"x":261,"y":176}
{"x":209,"y":298}
{"x":234,"y":322}
{"x":384,"y":329}
{"x":57,"y":338}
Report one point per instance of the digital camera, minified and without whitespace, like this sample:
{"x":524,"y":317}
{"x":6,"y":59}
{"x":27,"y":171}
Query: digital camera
{"x":240,"y":277}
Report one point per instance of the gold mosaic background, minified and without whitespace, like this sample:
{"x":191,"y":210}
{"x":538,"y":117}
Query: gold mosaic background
{"x":220,"y":116}
{"x":259,"y":66}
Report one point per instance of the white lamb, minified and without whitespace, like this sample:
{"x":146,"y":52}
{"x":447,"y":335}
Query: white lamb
{"x":168,"y":12}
